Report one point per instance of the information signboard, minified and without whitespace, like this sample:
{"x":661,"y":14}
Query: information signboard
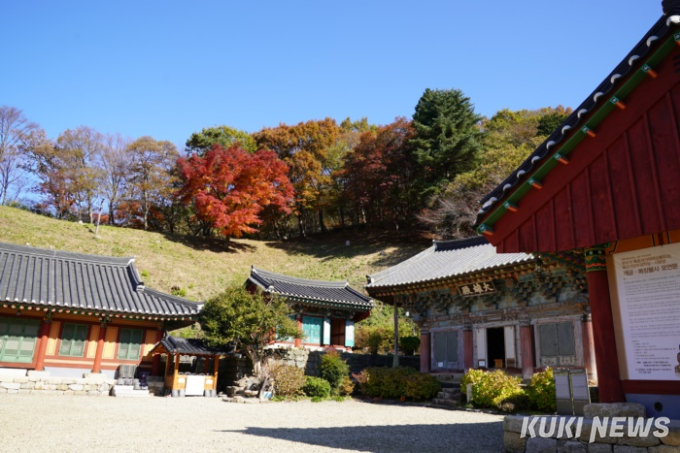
{"x":648,"y":288}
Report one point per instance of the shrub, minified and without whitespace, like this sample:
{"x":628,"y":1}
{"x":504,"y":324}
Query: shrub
{"x":288,"y":380}
{"x":495,"y":389}
{"x":397,"y":383}
{"x":334,"y":370}
{"x":409,"y":345}
{"x":346,"y":386}
{"x":541,"y":391}
{"x":374,"y":341}
{"x":316,"y":387}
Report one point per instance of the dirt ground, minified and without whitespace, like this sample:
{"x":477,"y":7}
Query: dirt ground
{"x":44,"y":423}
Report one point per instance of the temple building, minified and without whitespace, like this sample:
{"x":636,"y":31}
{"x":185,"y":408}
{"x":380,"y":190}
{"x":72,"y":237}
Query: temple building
{"x":325,"y":311}
{"x":73,"y":314}
{"x":477,"y":308}
{"x":606,"y":185}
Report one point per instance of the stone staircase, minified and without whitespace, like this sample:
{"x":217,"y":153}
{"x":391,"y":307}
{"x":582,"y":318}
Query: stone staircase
{"x":448,"y":397}
{"x":128,"y":391}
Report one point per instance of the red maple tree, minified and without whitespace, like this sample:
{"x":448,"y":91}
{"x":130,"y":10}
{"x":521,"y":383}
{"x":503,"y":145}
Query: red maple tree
{"x":229,"y":188}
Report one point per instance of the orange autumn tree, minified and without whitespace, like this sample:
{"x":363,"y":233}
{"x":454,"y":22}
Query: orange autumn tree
{"x":229,"y":188}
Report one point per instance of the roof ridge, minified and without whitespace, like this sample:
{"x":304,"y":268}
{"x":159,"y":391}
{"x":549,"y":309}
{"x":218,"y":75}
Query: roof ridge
{"x":75,"y":256}
{"x":289,"y":279}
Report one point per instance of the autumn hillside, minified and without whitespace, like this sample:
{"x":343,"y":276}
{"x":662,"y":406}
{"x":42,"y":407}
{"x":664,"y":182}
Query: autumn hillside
{"x":203,"y":268}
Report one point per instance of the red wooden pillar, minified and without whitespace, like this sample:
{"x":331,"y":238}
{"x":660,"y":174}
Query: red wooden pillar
{"x":44,"y":335}
{"x":97,"y":368}
{"x":156,"y":361}
{"x":588,"y":347}
{"x":468,"y":348}
{"x":298,"y":341}
{"x":527,"y":348}
{"x":606,"y":357}
{"x":425,"y":352}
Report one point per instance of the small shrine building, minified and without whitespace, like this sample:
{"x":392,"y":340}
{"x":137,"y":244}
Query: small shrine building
{"x":325,"y":311}
{"x":606,"y":185}
{"x":73,"y":314}
{"x":477,"y":308}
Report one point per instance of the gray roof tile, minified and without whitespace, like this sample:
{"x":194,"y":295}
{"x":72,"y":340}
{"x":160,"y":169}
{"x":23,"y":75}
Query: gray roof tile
{"x":446,"y":259}
{"x":315,"y":291}
{"x":178,"y":345}
{"x":62,"y":279}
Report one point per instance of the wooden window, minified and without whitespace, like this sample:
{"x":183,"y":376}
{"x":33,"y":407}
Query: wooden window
{"x":446,"y":349}
{"x":73,"y":340}
{"x":17,"y":339}
{"x":130,"y":344}
{"x":311,"y":327}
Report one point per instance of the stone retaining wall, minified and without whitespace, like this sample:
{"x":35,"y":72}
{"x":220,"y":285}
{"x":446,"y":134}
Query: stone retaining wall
{"x":513,"y":443}
{"x":41,"y":382}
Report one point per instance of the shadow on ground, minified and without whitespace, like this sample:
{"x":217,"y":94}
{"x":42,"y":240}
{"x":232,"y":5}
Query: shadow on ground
{"x":334,"y":245}
{"x":217,"y":245}
{"x":472,"y":437}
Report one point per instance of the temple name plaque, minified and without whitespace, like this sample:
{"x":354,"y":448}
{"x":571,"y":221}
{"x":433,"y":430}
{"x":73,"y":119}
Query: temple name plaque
{"x":648,"y":286}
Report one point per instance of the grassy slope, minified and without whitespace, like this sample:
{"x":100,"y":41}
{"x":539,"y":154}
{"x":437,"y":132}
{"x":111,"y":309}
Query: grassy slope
{"x":204,"y":267}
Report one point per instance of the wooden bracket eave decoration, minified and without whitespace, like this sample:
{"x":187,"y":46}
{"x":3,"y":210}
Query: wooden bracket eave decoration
{"x":618,"y":103}
{"x":588,"y":131}
{"x":535,"y":183}
{"x":512,"y":207}
{"x":561,"y":159}
{"x":649,"y":71}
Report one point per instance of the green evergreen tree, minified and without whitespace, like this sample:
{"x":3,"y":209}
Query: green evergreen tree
{"x":448,"y":138}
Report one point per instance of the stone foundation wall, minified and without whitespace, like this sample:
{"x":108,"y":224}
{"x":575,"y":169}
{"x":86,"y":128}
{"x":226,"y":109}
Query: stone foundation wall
{"x":311,"y":360}
{"x":514,"y":443}
{"x":41,"y":382}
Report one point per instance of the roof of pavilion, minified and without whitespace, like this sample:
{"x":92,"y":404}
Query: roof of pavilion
{"x":636,"y":67}
{"x":314,"y":292}
{"x":83,"y":284}
{"x":190,"y":346}
{"x":445,"y":260}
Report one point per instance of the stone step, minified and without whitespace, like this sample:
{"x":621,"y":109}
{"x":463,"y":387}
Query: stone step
{"x":448,"y":396}
{"x":445,"y":402}
{"x":132,"y":394}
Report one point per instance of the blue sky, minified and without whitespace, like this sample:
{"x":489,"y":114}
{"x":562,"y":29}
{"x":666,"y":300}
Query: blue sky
{"x":167,"y":69}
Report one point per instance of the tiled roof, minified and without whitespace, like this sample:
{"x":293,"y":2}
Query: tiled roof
{"x":177,"y":345}
{"x":601,"y":96}
{"x":313,"y":291}
{"x":446,"y":259}
{"x":33,"y":276}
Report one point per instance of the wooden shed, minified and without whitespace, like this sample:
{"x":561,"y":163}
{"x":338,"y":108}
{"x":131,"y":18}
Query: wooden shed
{"x":201,"y":380}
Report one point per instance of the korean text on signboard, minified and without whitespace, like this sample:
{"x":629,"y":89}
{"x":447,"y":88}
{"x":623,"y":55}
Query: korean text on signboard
{"x":476,"y":289}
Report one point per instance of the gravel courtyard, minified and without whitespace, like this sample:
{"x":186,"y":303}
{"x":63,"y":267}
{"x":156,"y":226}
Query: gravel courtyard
{"x":72,"y":423}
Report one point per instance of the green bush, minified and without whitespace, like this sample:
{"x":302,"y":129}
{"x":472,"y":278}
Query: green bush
{"x":495,"y":389}
{"x":541,"y":391}
{"x":316,"y":387}
{"x":409,"y":345}
{"x":397,"y":383}
{"x":374,"y":341}
{"x":346,"y":387}
{"x":288,"y":380}
{"x":334,"y":370}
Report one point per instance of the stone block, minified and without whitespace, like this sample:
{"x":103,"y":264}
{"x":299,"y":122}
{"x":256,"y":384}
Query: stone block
{"x":627,"y":449}
{"x":570,"y":446}
{"x":80,"y":381}
{"x":68,"y":381}
{"x":104,"y":387}
{"x":3,"y":390}
{"x":540,"y":445}
{"x":25,"y":391}
{"x":599,"y":448}
{"x":27,"y":385}
{"x":4,"y":378}
{"x":67,"y":392}
{"x":95,"y":377}
{"x":21,"y":380}
{"x":50,"y":387}
{"x":75,"y":387}
{"x":13,"y":391}
{"x":513,"y":423}
{"x":54,"y":381}
{"x":38,"y":374}
{"x":62,"y":387}
{"x":587,"y":428}
{"x":10,"y":385}
{"x":13,"y":372}
{"x":93,"y":393}
{"x":39,"y":385}
{"x":664,"y":449}
{"x":639,"y":441}
{"x":673,"y":437}
{"x":614,"y":410}
{"x":80,"y":392}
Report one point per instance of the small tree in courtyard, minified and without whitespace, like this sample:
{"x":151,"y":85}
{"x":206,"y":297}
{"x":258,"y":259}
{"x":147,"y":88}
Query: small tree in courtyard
{"x":250,"y":320}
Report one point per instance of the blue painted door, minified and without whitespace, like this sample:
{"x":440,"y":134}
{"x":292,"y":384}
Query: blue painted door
{"x":312,"y":327}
